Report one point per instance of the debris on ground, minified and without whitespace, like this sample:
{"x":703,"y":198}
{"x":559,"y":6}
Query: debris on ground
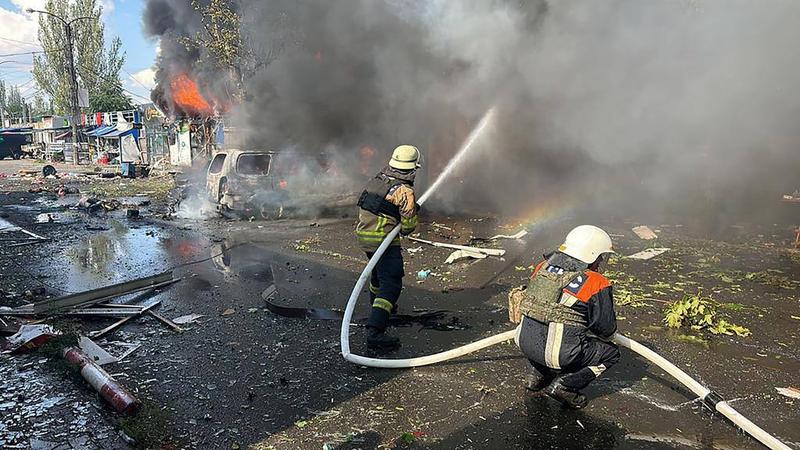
{"x":187,"y":319}
{"x":459,"y":255}
{"x":648,"y":254}
{"x":85,"y":299}
{"x":791,"y":392}
{"x":29,"y":337}
{"x":487,"y":251}
{"x":644,"y":232}
{"x":423,"y":274}
{"x":94,"y":204}
{"x":95,"y":352}
{"x":700,"y":313}
{"x":114,"y":393}
{"x":229,"y":312}
{"x":521,"y":234}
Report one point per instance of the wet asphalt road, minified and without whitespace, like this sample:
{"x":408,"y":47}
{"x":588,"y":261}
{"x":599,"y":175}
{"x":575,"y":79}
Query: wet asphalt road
{"x":249,"y":378}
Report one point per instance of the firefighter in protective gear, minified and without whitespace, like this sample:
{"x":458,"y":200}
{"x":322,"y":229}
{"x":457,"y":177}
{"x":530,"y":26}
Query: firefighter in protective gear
{"x":387,"y":200}
{"x":566,"y":300}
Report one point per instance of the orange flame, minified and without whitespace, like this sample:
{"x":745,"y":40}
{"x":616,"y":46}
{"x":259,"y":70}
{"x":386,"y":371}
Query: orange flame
{"x":187,"y":96}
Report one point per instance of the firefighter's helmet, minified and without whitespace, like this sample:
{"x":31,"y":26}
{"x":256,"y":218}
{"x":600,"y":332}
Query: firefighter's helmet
{"x":586,"y":243}
{"x":405,"y":157}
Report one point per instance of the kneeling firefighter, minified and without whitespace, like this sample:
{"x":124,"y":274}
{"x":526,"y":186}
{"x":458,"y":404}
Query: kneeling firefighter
{"x":388,"y":199}
{"x":566,"y":299}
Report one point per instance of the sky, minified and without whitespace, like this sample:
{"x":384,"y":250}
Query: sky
{"x":123,"y":18}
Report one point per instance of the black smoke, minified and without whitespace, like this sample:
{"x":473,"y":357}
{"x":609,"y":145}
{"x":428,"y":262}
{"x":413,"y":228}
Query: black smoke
{"x":644,"y":106}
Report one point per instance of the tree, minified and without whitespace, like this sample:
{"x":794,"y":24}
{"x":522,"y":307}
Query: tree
{"x":226,"y":42}
{"x":98,"y":70}
{"x":110,"y":97}
{"x":41,"y":107}
{"x":11,"y":100}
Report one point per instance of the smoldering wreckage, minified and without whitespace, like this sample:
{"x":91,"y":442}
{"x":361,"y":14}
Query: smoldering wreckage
{"x":216,"y":315}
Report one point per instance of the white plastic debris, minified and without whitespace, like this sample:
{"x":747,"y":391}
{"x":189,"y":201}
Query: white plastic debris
{"x":95,"y":352}
{"x":521,"y":234}
{"x":189,"y":318}
{"x":791,"y":392}
{"x":649,"y":253}
{"x":458,"y":255}
{"x":644,"y":232}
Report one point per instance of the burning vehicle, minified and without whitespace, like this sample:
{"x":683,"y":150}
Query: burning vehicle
{"x":240,"y":180}
{"x":274,"y":184}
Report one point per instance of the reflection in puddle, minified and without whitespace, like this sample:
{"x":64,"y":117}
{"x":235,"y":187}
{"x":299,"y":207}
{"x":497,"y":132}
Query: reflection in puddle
{"x":98,"y":252}
{"x":116,"y":255}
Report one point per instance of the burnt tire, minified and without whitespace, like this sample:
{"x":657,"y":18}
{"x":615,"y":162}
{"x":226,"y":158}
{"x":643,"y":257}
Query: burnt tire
{"x":271,"y":211}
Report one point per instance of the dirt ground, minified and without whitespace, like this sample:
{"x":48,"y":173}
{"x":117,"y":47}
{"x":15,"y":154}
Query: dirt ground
{"x":243,"y":377}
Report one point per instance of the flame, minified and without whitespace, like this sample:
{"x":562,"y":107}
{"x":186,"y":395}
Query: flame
{"x":187,"y":96}
{"x":367,"y":153}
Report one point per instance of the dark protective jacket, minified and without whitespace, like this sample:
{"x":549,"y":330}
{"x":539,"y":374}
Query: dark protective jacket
{"x":565,"y":312}
{"x":388,"y":199}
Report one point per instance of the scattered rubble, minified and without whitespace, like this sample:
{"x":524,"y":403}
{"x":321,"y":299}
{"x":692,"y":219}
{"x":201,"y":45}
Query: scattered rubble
{"x":791,"y":392}
{"x":487,"y":251}
{"x":648,"y":254}
{"x":459,"y":255}
{"x":644,"y":232}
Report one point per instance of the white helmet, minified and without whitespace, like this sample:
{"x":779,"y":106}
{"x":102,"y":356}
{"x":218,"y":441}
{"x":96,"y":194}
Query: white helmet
{"x":586,"y":243}
{"x":405,"y":157}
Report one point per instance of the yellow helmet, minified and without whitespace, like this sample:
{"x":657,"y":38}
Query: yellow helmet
{"x":586,"y":243}
{"x":405,"y":157}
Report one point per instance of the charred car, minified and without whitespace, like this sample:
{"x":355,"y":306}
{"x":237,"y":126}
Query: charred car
{"x":271,"y":185}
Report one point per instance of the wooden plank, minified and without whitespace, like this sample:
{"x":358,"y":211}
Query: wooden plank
{"x":102,"y":294}
{"x":120,"y":322}
{"x":165,"y":321}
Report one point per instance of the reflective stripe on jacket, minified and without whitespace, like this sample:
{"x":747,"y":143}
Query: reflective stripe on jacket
{"x":373,"y":228}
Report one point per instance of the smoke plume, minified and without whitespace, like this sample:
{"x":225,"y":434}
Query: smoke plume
{"x":645,"y":107}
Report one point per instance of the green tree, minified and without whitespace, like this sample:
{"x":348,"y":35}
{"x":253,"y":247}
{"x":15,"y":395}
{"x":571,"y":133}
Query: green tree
{"x":226,"y":43}
{"x":11,"y":100}
{"x":41,"y":106}
{"x":98,"y":69}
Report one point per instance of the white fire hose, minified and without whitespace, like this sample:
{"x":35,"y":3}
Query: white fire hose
{"x":710,"y":398}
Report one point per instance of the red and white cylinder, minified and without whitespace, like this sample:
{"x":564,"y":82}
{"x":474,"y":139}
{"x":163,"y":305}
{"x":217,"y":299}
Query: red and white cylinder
{"x":114,"y":393}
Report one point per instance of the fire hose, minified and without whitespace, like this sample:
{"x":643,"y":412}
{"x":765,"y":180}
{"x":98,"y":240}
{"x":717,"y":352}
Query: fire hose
{"x":709,"y":398}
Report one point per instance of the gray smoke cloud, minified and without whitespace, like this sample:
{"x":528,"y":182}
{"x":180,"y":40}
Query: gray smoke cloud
{"x":647,"y":106}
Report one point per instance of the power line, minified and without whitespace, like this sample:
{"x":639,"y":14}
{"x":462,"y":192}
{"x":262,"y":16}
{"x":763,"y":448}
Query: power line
{"x":120,"y":81}
{"x":16,"y":43}
{"x":134,"y":79}
{"x":20,"y":54}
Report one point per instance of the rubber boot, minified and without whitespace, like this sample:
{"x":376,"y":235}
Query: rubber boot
{"x":566,"y":396}
{"x":380,"y":341}
{"x":536,"y":380}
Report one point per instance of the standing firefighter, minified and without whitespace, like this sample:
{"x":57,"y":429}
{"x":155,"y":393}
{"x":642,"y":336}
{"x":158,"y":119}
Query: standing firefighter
{"x":565,"y":300}
{"x":388,"y":199}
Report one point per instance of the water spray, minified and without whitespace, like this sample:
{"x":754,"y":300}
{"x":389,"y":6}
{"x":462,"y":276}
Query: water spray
{"x":709,"y":398}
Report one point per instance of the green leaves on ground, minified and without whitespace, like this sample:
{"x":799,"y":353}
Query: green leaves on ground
{"x":700,"y":313}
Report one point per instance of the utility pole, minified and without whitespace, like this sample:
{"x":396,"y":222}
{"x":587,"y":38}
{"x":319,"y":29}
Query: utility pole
{"x":76,"y":112}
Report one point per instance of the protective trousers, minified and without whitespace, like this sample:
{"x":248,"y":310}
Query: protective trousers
{"x":385,"y":286}
{"x":558,"y":350}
